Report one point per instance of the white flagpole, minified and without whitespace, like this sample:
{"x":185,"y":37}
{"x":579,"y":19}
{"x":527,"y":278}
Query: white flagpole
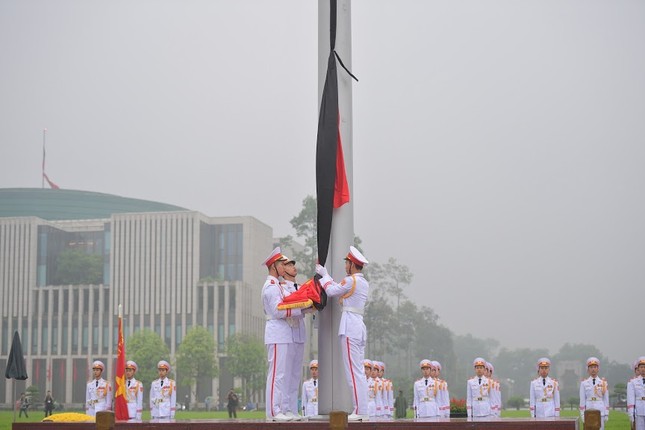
{"x":42,"y":173}
{"x":334,"y":393}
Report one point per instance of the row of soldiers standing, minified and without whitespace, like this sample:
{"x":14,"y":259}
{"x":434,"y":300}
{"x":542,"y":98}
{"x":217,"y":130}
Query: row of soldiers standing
{"x":163,"y":392}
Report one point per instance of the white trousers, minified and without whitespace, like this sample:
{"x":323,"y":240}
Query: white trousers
{"x":277,"y":381}
{"x":640,"y":422}
{"x":353,"y":356}
{"x":295,"y":354}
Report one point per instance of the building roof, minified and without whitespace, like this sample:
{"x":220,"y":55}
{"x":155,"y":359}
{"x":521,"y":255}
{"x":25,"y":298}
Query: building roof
{"x":50,"y":204}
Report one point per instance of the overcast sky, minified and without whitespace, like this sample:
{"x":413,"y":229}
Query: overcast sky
{"x":498,"y":145}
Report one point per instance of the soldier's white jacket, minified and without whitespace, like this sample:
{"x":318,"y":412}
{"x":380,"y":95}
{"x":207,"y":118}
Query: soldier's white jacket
{"x":636,"y":397}
{"x":310,"y":398}
{"x":544,"y":397}
{"x":98,"y":397}
{"x":444,"y":398}
{"x":478,"y":397}
{"x":426,"y":400}
{"x":134,"y":397}
{"x":594,"y":396}
{"x":280,"y":324}
{"x":353,"y":291}
{"x":163,"y":398}
{"x":297,"y":325}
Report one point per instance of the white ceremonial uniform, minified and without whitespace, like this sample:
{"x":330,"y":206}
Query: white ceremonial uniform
{"x":98,"y":396}
{"x":163,"y":398}
{"x":495,"y":398}
{"x":425,"y":398}
{"x":310,"y":398}
{"x":134,"y":397}
{"x":295,"y":355}
{"x":544,"y":398}
{"x":371,"y":397}
{"x":636,"y":402}
{"x":594,"y":394}
{"x":389,"y":408}
{"x":278,"y":333}
{"x":478,"y":401}
{"x":379,"y":389}
{"x":352,"y":333}
{"x":443,"y":398}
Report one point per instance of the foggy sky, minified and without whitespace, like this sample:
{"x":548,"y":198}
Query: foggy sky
{"x":498,"y":145}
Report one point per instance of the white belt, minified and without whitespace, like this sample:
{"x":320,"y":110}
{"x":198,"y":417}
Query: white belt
{"x":269,"y":317}
{"x":358,"y":311}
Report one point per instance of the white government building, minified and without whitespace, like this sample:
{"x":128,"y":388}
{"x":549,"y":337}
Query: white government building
{"x":171,"y":268}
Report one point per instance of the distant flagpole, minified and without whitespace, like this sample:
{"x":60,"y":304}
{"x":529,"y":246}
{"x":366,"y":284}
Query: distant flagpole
{"x":120,"y":401}
{"x":42,"y":173}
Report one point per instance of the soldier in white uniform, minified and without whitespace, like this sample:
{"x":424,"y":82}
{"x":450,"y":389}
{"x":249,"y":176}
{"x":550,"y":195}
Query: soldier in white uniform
{"x":388,"y":395}
{"x":443,"y":395}
{"x":163,"y":394}
{"x":310,"y":391}
{"x":134,"y":391}
{"x":378,"y":388}
{"x":594,"y":392}
{"x":426,"y":389}
{"x":295,"y":349}
{"x":544,"y":395}
{"x":495,"y":392}
{"x":478,"y":391}
{"x":371,"y":388}
{"x":636,"y":397}
{"x":98,"y":394}
{"x":278,"y":334}
{"x":353,"y":291}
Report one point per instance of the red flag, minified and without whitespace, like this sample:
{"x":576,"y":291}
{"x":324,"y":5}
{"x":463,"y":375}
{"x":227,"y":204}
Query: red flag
{"x":120,"y":402}
{"x":341,"y":188}
{"x":51,"y":184}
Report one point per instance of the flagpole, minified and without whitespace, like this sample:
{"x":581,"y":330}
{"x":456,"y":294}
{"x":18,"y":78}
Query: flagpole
{"x":42,"y":173}
{"x":334,"y":392}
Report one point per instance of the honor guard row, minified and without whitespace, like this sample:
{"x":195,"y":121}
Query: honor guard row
{"x":380,"y":396}
{"x":431,"y":397}
{"x":163,"y":392}
{"x":483,"y":394}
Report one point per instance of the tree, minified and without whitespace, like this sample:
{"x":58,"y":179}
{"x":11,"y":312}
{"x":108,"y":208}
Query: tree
{"x":74,"y":267}
{"x":146,"y":348}
{"x":196,"y":357}
{"x":247,"y":361}
{"x":305,"y":224}
{"x":391,"y":277}
{"x":573,"y":402}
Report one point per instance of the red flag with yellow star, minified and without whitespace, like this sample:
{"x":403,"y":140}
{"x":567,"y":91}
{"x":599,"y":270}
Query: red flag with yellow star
{"x":120,"y":401}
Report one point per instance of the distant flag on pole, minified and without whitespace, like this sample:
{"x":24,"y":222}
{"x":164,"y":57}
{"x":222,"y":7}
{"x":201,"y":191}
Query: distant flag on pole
{"x":51,"y":184}
{"x":331,"y":180}
{"x":120,"y":401}
{"x":45,"y":177}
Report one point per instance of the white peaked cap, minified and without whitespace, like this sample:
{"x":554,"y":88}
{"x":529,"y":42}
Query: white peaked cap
{"x":356,"y":257}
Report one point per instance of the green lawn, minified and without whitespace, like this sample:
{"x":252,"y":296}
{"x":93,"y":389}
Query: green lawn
{"x":617,"y":420}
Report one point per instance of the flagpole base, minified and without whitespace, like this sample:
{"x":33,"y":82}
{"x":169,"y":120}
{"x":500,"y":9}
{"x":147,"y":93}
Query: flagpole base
{"x":105,"y":420}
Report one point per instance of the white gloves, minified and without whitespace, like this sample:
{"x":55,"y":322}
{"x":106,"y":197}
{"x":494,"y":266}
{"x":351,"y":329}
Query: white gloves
{"x":321,"y":270}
